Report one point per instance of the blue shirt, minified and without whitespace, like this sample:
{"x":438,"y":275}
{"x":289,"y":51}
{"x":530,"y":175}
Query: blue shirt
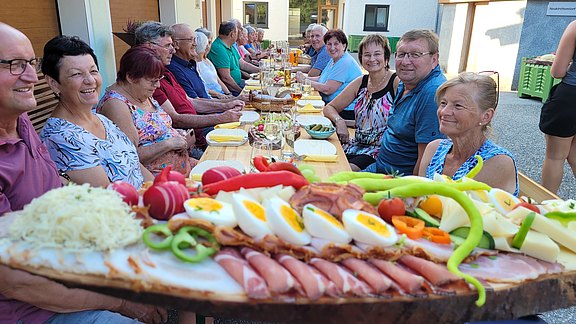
{"x":320,"y":59}
{"x":345,"y":70}
{"x":413,"y":120}
{"x":188,"y":77}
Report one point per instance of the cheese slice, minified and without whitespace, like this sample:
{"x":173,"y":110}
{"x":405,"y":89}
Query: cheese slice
{"x":321,"y":158}
{"x":226,"y":138}
{"x":540,"y":246}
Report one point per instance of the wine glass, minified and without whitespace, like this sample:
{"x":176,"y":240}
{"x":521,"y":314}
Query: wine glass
{"x":306,"y":88}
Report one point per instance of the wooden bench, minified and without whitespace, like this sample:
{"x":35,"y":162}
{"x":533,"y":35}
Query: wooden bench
{"x":46,"y":101}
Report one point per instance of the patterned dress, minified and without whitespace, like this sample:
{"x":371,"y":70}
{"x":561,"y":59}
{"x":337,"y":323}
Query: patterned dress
{"x":486,"y":151}
{"x":71,"y":147}
{"x":371,"y":111}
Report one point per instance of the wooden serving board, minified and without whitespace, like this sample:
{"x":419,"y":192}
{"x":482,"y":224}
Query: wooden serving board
{"x":506,"y":302}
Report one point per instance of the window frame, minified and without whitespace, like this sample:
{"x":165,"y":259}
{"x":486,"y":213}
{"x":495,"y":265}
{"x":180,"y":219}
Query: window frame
{"x":255,"y":24}
{"x":376,"y":7}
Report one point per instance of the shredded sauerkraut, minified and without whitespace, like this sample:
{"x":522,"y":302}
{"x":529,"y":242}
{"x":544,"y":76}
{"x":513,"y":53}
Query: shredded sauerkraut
{"x":77,"y":217}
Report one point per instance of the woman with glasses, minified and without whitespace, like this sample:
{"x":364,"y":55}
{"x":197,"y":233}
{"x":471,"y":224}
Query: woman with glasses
{"x":557,"y":119}
{"x":130,"y":105}
{"x":466,"y":106}
{"x":373,"y":94}
{"x":338,"y":73}
{"x":86,"y":147}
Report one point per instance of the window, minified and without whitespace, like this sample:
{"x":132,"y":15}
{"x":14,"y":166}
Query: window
{"x":256,"y":14}
{"x":376,"y":17}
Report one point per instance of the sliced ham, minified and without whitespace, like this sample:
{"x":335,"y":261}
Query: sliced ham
{"x":437,"y":274}
{"x":178,"y":221}
{"x":314,"y":284}
{"x":542,"y":266}
{"x":365,"y":271}
{"x":279,"y":280}
{"x":439,"y":253}
{"x":407,"y":281}
{"x":344,"y":280}
{"x":502,"y":268}
{"x":390,"y":253}
{"x":239,"y":269}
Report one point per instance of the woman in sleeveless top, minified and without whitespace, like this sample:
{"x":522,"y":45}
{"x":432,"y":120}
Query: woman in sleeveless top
{"x":374,"y":94}
{"x":558,"y":116}
{"x":466,"y":106}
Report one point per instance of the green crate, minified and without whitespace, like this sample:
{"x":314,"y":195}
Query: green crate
{"x":393,"y":41}
{"x":535,"y":80}
{"x":353,"y":42}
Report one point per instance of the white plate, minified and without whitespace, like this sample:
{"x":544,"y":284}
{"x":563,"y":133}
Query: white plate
{"x":304,"y":65}
{"x":201,"y":167}
{"x":315,"y":103}
{"x":308,"y":120}
{"x":248,"y":117}
{"x":225,"y":131}
{"x":314,"y":147}
{"x":252,"y":82}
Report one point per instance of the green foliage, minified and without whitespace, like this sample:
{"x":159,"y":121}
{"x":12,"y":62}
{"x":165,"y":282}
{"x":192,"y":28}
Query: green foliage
{"x":307,"y":8}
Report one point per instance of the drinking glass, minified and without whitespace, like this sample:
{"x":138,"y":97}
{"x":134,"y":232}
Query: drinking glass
{"x":259,"y":147}
{"x":287,"y":70}
{"x":306,"y":88}
{"x":273,"y":135}
{"x":288,"y":153}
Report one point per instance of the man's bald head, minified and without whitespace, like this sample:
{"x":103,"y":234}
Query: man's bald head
{"x":9,"y":35}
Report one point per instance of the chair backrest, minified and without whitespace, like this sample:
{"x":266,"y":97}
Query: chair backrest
{"x":46,"y":101}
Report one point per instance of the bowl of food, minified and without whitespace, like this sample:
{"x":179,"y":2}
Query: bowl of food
{"x":320,"y":131}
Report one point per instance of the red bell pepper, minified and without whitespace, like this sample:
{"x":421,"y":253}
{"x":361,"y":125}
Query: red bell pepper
{"x":260,"y":163}
{"x":279,"y":166}
{"x":257,"y":180}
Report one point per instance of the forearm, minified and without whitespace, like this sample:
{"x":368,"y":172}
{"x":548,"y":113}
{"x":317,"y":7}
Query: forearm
{"x":196,"y":121}
{"x":248,"y":67}
{"x":151,"y":152}
{"x":231,"y":84}
{"x":208,"y":106}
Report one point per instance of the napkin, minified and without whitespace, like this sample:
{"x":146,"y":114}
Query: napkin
{"x":313,"y":97}
{"x":196,"y":177}
{"x":321,"y":158}
{"x":225,"y":138}
{"x":308,"y":108}
{"x":252,"y":87}
{"x":228,"y":125}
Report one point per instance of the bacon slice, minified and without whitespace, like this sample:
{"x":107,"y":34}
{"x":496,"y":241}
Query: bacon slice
{"x":344,"y":280}
{"x":502,"y":268}
{"x":407,"y":281}
{"x":374,"y":278}
{"x":273,"y":244}
{"x":390,"y":253}
{"x":315,"y":285}
{"x":333,"y":251}
{"x":279,"y":280}
{"x":239,"y":269}
{"x":437,"y":274}
{"x":231,"y":237}
{"x":180,"y":220}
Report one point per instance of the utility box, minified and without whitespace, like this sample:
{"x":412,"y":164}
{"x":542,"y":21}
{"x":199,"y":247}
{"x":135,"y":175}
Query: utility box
{"x":535,"y":79}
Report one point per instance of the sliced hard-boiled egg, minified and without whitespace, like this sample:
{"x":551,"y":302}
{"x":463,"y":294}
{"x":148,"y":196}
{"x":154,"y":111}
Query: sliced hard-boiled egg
{"x":368,"y":228}
{"x":285,"y":222}
{"x":321,"y":224}
{"x":503,"y":201}
{"x":212,"y":210}
{"x":251,"y":216}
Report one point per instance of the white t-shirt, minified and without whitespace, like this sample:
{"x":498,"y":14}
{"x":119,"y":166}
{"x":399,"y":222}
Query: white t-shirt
{"x":208,"y":73}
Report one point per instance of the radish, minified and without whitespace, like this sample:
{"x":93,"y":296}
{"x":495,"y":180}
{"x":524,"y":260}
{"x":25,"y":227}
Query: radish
{"x":126,"y":190}
{"x":218,"y":174}
{"x":166,"y":198}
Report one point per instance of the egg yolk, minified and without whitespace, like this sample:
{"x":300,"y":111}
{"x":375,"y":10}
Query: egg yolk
{"x":205,"y":204}
{"x":372,"y":224}
{"x":292,"y":218}
{"x":504,"y":200}
{"x":255,"y":209}
{"x":327,"y":217}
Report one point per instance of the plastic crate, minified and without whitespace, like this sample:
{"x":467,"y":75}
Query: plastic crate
{"x":353,"y":42}
{"x":535,"y":80}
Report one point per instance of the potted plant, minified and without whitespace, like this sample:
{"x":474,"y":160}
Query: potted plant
{"x":128,"y":36}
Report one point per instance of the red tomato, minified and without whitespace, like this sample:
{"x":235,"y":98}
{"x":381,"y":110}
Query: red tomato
{"x":391,"y":207}
{"x":527,"y":206}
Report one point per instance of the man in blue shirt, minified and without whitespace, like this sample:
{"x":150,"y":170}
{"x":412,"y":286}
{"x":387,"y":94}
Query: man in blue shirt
{"x":320,"y":57}
{"x":413,"y":121}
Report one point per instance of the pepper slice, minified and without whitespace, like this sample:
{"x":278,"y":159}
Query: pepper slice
{"x":410,"y":226}
{"x":260,"y":163}
{"x":187,"y":238}
{"x":158,"y":229}
{"x":436,"y":235}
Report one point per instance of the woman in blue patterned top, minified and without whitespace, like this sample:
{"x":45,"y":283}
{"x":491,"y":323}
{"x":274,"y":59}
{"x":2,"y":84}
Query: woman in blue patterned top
{"x":466,"y":106}
{"x":87,"y":147}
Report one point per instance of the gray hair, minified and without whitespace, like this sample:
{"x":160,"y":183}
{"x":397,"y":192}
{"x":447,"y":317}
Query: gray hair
{"x":416,"y":34}
{"x":204,"y":31}
{"x":310,"y":27}
{"x":322,"y":28}
{"x":251,"y":30}
{"x":150,"y":31}
{"x":201,"y":42}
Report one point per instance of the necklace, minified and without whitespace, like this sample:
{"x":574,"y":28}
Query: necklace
{"x":377,"y":85}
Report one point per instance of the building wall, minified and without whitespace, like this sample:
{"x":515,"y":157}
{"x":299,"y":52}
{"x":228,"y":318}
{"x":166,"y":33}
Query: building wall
{"x":277,"y":16}
{"x":540,"y":33}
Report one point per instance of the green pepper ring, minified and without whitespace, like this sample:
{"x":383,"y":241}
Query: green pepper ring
{"x":158,"y":229}
{"x":186,"y":238}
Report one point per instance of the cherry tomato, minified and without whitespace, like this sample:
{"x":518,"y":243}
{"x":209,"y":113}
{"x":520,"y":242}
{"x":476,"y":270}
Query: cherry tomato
{"x":527,"y":206}
{"x":391,"y":207}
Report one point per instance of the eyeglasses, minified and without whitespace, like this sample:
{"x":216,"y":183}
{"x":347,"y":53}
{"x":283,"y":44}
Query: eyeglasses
{"x":18,"y":66}
{"x":155,"y":81}
{"x":410,"y":55}
{"x":167,"y":46}
{"x":191,"y":39}
{"x":490,"y":74}
{"x":368,"y":56}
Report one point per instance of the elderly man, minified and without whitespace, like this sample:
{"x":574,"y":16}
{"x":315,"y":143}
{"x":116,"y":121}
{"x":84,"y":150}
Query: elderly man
{"x":413,"y":122}
{"x":226,"y":59}
{"x":320,"y":57}
{"x":26,"y":172}
{"x":241,"y":38}
{"x":171,"y":96}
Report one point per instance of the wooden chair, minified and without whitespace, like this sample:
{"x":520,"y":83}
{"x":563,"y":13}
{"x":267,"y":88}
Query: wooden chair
{"x":46,"y":101}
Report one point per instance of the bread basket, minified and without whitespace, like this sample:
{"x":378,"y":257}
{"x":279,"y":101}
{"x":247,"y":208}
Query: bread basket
{"x":268,"y":104}
{"x":304,"y":59}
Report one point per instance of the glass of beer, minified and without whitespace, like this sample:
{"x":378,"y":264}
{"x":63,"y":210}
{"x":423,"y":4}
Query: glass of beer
{"x":287,"y":70}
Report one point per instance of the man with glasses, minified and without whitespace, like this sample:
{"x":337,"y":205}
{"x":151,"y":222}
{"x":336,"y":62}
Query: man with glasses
{"x":185,"y":112}
{"x":413,"y":122}
{"x":27,"y":172}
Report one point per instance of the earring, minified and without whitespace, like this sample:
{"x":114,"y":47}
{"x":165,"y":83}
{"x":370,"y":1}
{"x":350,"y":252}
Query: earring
{"x":57,"y":94}
{"x":480,"y":124}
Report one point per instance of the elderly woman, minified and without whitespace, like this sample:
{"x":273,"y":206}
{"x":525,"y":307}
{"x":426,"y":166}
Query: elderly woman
{"x":466,"y":106}
{"x":130,"y":105}
{"x":338,"y":73}
{"x":374,"y":94}
{"x":85,"y":146}
{"x":216,"y":88}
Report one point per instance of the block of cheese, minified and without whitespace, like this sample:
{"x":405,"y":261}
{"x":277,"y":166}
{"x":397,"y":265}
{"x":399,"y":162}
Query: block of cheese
{"x":540,"y":246}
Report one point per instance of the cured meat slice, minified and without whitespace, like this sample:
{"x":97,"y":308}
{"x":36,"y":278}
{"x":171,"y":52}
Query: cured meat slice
{"x":437,"y":274}
{"x":439,"y":253}
{"x":279,"y":280}
{"x":315,"y":285}
{"x":365,"y":271}
{"x":409,"y":282}
{"x":542,"y":266}
{"x":390,"y":253}
{"x":180,"y":220}
{"x":502,"y":268}
{"x":273,"y":244}
{"x":231,"y":237}
{"x":334,"y":251}
{"x":239,"y":269}
{"x":344,"y":280}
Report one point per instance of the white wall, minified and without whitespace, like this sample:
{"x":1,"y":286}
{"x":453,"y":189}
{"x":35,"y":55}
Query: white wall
{"x":404,"y":16}
{"x":181,"y":11}
{"x":277,"y":17}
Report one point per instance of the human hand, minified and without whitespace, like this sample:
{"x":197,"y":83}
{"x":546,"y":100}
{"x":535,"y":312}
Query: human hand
{"x":342,"y":132}
{"x":244,"y":97}
{"x":178,"y":143}
{"x":143,"y":313}
{"x":300,"y":76}
{"x":236,"y":104}
{"x":231,"y":115}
